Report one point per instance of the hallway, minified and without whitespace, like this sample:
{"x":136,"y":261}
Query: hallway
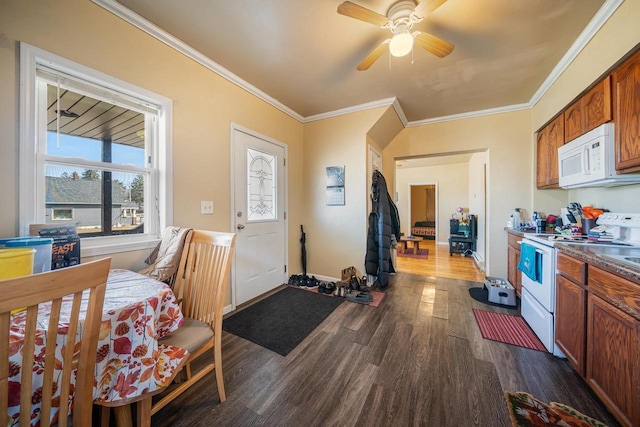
{"x":440,"y":264}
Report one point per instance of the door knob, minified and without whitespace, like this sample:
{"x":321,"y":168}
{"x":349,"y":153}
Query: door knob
{"x":240,"y":227}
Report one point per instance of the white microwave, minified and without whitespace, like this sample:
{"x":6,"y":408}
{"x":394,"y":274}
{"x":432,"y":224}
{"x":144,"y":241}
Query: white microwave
{"x":589,"y":161}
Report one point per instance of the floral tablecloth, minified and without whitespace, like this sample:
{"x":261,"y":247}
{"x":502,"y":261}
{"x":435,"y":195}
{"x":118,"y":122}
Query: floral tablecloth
{"x":137,"y":312}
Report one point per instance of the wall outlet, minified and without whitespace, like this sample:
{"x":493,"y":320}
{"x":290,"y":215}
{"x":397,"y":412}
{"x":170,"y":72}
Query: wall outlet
{"x":206,"y":207}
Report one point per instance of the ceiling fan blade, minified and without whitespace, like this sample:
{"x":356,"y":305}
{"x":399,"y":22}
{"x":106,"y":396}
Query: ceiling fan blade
{"x":434,"y":45}
{"x":425,"y":7}
{"x":373,"y":56}
{"x":352,"y":10}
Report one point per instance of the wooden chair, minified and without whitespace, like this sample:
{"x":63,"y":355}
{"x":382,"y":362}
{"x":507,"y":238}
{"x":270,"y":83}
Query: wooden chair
{"x":29,"y":291}
{"x":200,"y":285}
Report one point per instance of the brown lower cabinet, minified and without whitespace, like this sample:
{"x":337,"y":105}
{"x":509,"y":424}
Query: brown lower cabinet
{"x":571,"y":316}
{"x":613,"y":360}
{"x":514,"y":276}
{"x":613,"y":343}
{"x":598,"y":329}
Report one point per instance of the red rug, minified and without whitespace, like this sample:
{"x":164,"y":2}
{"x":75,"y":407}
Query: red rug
{"x":408,"y":253}
{"x":377,"y":296}
{"x":507,"y":329}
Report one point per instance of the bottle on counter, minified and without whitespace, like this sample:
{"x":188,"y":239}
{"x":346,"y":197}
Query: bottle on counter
{"x":517,"y":219}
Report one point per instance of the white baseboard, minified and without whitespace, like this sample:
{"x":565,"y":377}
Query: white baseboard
{"x":324,"y":278}
{"x":479,"y":261}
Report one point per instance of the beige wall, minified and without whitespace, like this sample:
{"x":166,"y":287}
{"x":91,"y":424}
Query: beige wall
{"x":336,"y":235}
{"x":204,"y":106}
{"x":477,"y":200}
{"x":452,"y":181}
{"x":507,"y":137}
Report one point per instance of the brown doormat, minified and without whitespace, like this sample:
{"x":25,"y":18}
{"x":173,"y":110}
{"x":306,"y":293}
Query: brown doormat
{"x":507,"y":329}
{"x":408,"y":253}
{"x":527,"y":411}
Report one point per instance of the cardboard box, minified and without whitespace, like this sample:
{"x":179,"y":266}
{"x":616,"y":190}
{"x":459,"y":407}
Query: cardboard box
{"x":65,"y":250}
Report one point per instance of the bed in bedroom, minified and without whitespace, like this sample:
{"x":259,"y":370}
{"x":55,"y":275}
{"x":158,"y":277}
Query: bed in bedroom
{"x":424,"y":229}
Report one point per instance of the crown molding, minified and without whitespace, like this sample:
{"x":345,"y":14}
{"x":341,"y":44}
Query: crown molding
{"x":471,"y":114}
{"x":355,"y":108}
{"x":171,"y":41}
{"x":602,"y":16}
{"x":400,"y":112}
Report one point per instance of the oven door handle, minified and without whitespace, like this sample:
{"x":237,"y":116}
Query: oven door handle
{"x":540,"y":250}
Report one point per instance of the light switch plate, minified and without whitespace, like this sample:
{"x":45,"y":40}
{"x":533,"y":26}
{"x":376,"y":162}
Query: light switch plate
{"x":206,"y":207}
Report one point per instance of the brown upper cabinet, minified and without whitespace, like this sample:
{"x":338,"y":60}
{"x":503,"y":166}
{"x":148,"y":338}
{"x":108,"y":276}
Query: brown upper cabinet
{"x":589,"y":111}
{"x":549,"y":139}
{"x":626,"y":95}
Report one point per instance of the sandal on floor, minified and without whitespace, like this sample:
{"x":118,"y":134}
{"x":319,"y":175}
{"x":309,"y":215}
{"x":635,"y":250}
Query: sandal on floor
{"x":360,"y":297}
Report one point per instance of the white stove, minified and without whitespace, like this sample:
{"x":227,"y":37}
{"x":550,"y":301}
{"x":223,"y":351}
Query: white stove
{"x":539,"y":289}
{"x":538,"y":292}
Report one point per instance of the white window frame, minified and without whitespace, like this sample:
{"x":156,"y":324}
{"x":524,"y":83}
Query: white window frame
{"x":31,"y":203}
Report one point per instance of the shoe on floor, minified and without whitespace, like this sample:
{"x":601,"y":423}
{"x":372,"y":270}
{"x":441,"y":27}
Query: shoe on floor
{"x":309,"y":282}
{"x":326,"y":287}
{"x":360,"y":297}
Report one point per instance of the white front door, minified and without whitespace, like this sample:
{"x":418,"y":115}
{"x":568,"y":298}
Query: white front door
{"x":259,"y":216}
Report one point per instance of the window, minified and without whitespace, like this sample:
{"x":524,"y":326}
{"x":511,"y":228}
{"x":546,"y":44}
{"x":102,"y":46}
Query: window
{"x":96,"y":151}
{"x":62,"y":214}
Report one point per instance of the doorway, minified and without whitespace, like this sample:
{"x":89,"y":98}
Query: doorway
{"x":462,"y":179}
{"x":423,"y":210}
{"x":258,"y":194}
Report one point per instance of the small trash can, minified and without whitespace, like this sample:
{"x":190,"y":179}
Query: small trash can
{"x":16,"y":262}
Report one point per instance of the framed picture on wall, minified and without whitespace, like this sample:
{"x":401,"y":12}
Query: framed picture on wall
{"x":335,"y":186}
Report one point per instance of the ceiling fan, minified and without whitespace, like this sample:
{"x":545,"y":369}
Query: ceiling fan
{"x":401,"y":16}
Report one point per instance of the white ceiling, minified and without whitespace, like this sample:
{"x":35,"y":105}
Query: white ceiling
{"x":303,"y":54}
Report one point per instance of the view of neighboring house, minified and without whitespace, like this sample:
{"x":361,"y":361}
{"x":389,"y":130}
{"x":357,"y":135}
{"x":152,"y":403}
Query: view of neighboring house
{"x":72,"y":200}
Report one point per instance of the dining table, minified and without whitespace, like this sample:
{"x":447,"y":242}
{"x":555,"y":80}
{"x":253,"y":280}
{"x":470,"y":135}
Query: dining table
{"x":130,"y":361}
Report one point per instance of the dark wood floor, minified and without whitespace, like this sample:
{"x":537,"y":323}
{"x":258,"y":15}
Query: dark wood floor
{"x":418,"y":359}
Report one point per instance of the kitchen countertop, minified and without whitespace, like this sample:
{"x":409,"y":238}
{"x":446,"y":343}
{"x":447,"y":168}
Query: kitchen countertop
{"x":521,"y":233}
{"x":593,"y":255}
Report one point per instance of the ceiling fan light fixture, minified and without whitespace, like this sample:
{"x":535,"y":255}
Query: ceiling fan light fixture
{"x":401,"y":43}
